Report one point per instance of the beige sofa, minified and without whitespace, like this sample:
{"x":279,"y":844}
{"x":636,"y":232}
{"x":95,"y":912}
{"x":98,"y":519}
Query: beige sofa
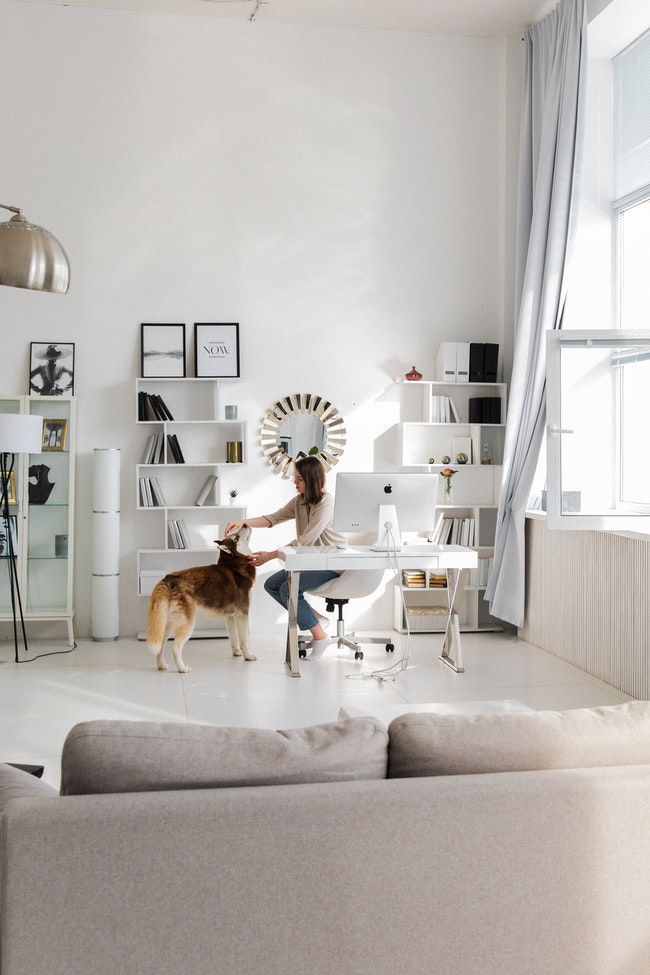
{"x":450,"y":845}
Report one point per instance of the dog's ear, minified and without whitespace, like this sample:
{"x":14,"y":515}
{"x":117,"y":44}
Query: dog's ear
{"x":227,"y":544}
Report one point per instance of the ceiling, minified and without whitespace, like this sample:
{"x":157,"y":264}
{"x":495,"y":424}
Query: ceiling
{"x":474,"y":17}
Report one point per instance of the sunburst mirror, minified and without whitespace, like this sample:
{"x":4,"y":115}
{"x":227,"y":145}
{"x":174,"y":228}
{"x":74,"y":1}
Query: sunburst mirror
{"x":302,"y":425}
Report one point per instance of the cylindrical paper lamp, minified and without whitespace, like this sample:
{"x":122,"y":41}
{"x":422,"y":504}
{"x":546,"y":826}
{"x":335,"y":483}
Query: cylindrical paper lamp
{"x":106,"y":544}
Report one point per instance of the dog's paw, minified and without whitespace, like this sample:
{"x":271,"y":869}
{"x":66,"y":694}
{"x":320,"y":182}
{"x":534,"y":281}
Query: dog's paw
{"x":184,"y":670}
{"x":250,"y":656}
{"x":162,"y":665}
{"x":236,"y":653}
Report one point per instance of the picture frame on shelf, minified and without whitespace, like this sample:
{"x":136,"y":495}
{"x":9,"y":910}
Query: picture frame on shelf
{"x":216,"y":350}
{"x":162,"y":351}
{"x":7,"y":530}
{"x":9,"y":478}
{"x":51,"y":368}
{"x":55,"y":434}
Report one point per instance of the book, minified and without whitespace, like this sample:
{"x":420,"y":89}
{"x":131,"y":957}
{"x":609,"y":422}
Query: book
{"x":207,"y":486}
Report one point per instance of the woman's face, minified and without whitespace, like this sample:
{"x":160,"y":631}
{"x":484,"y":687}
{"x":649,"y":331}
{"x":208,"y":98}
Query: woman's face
{"x":299,"y":483}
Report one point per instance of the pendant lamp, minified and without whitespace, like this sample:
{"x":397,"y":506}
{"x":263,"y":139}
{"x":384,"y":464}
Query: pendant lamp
{"x":31,"y":257}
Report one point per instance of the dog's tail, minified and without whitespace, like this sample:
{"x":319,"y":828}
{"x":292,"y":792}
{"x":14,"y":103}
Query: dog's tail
{"x":157,"y":616}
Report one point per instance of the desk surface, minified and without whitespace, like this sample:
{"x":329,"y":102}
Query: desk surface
{"x":298,"y":557}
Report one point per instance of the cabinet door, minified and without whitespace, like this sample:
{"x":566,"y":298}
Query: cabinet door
{"x":48,"y":487}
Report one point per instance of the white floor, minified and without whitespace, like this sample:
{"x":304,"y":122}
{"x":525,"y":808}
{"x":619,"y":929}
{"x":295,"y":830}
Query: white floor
{"x":41,"y":700}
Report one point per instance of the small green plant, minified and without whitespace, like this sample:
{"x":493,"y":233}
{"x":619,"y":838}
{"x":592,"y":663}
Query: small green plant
{"x":234,"y":493}
{"x":312,"y":453}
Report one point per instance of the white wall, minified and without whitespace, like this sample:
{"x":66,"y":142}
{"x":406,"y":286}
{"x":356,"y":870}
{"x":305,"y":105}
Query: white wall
{"x":345,"y":195}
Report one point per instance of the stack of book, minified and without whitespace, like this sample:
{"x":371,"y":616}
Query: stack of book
{"x":485,"y":409}
{"x":151,"y":406}
{"x":413,"y":579}
{"x":437,"y":580}
{"x":483,"y":571}
{"x":154,"y":449}
{"x":443,"y":410}
{"x":178,"y":536}
{"x":174,"y":452}
{"x":151,"y":495}
{"x":454,"y":531}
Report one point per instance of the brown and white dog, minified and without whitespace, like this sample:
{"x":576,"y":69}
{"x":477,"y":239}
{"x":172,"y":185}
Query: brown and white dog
{"x":222,"y":590}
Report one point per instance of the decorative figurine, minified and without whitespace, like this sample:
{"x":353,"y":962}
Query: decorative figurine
{"x":461,"y":458}
{"x":40,"y":490}
{"x":413,"y":375}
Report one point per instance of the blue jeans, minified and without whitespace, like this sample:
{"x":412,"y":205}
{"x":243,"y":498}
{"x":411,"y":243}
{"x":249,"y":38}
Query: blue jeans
{"x":277,"y":587}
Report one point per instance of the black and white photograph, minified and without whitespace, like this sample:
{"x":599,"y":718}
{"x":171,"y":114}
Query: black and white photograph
{"x":163,"y":351}
{"x":55,"y":434}
{"x":8,"y":531}
{"x":216,"y":350}
{"x":51,"y":369}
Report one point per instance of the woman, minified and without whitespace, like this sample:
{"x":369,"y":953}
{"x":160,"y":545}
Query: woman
{"x":312,"y":509}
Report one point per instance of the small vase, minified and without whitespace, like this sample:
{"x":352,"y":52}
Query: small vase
{"x":413,"y":375}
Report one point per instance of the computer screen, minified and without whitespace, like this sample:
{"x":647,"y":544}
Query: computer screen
{"x":358,"y":498}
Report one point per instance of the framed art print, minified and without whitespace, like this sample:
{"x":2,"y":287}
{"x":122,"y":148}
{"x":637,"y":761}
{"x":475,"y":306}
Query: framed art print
{"x":8,"y":536}
{"x":8,"y":481}
{"x":216,"y":350}
{"x":51,"y":369}
{"x":55,"y":434}
{"x":163,"y":351}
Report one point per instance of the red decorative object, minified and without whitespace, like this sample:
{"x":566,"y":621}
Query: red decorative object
{"x":413,"y":375}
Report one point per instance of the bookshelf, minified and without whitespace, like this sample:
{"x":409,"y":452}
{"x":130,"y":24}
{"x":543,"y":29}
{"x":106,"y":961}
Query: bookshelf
{"x":438,"y":422}
{"x":189,"y":456}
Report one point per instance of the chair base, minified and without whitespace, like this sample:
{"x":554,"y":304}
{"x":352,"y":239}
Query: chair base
{"x":345,"y":640}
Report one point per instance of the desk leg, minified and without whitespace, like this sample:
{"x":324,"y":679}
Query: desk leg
{"x":451,"y":649}
{"x":292,"y":658}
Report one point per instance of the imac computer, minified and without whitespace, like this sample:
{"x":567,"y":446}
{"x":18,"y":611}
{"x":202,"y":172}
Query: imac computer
{"x":385,"y":503}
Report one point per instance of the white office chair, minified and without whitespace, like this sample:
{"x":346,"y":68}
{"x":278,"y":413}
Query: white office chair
{"x":352,"y":584}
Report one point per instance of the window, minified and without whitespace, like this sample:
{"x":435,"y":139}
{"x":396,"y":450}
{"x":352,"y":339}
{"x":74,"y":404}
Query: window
{"x":598,"y":379}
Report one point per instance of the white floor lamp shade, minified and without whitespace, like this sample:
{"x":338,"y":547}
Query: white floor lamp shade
{"x":106,"y":544}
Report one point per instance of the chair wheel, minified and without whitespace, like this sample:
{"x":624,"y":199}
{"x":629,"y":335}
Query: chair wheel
{"x":390,"y":647}
{"x":358,"y":654}
{"x":302,"y":653}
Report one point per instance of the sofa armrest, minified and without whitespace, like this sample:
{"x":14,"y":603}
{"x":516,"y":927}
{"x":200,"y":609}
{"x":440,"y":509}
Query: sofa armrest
{"x":15,"y":783}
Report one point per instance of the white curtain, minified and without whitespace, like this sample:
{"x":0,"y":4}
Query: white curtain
{"x":549,"y":165}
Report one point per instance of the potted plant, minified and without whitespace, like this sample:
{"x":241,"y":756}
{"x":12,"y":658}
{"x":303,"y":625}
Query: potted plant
{"x":233,"y":495}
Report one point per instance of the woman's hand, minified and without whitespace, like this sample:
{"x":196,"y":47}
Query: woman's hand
{"x":259,"y":558}
{"x":233,"y":526}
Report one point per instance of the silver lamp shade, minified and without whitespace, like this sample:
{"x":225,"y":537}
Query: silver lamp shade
{"x":31,"y":257}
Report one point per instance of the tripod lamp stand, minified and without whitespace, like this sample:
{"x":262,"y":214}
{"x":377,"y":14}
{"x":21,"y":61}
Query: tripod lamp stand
{"x":20,"y":433}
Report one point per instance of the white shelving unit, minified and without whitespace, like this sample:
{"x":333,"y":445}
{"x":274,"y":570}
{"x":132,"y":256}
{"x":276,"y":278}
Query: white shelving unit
{"x":203,"y":435}
{"x":42,"y":520}
{"x":426,"y":443}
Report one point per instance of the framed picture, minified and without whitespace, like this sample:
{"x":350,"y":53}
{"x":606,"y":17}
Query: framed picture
{"x":8,"y":531}
{"x":55,"y":434}
{"x":216,"y":350}
{"x":51,"y":369}
{"x":9,"y":479}
{"x":163,"y":351}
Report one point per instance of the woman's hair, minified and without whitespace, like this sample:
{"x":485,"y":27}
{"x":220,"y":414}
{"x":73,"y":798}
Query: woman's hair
{"x":313,"y":474}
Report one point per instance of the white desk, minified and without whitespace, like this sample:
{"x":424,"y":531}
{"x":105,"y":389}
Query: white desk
{"x":454,"y":559}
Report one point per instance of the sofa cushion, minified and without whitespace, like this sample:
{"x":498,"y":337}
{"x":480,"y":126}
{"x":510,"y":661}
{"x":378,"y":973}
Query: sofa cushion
{"x":435,"y":744}
{"x":142,"y":756}
{"x":15,"y":783}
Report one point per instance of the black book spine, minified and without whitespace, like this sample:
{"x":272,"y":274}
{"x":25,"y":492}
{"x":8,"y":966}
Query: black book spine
{"x":490,"y":362}
{"x":476,"y":362}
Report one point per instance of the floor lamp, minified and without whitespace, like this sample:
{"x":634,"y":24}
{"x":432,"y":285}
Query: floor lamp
{"x":20,"y":433}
